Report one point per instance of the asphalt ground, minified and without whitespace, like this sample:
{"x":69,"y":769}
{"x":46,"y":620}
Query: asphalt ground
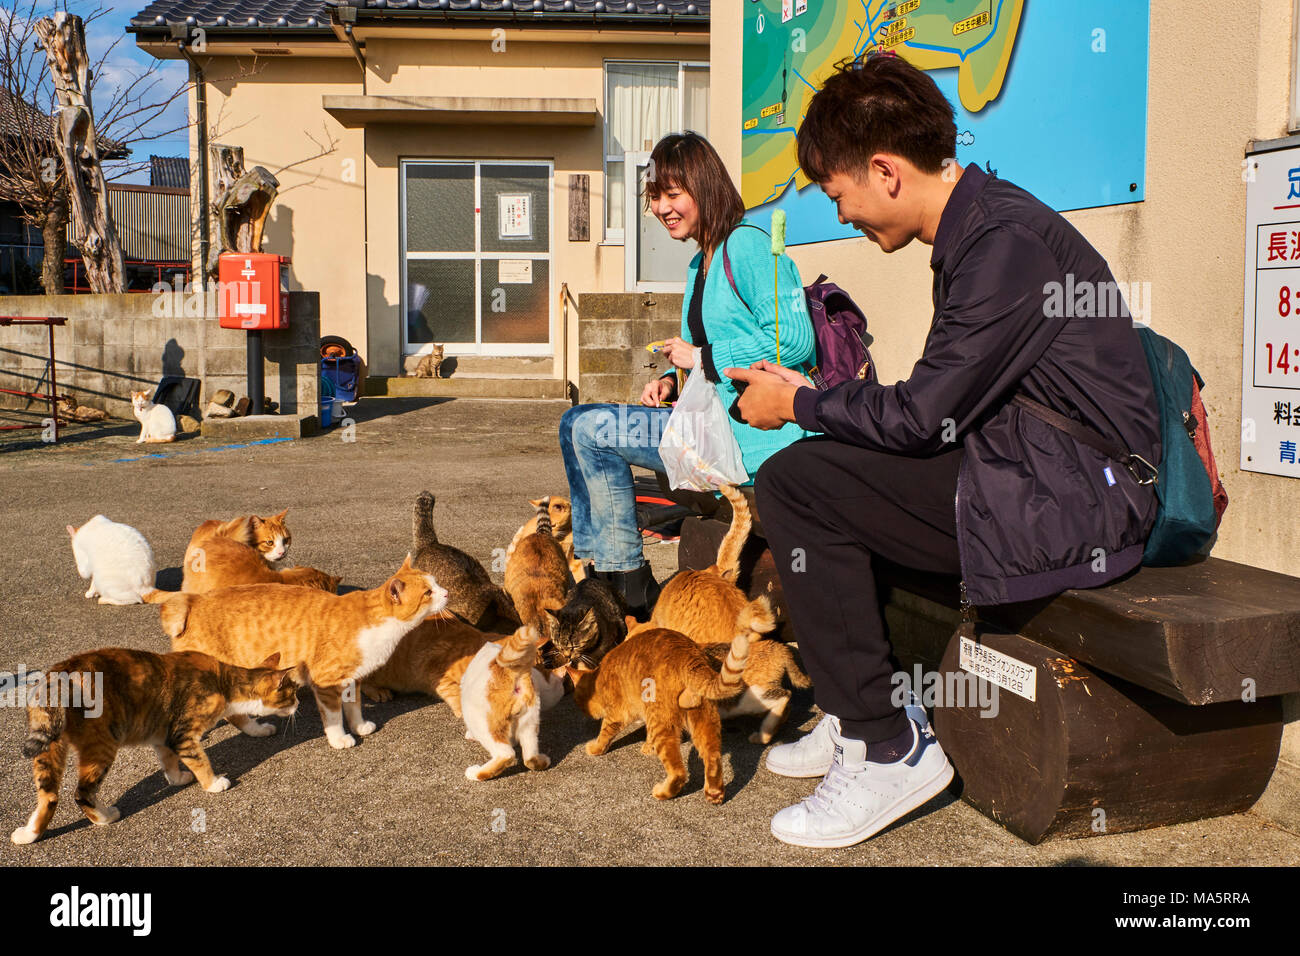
{"x":400,"y":797}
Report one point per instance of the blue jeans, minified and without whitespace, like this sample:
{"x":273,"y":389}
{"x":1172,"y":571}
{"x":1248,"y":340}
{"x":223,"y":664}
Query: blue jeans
{"x":600,"y":443}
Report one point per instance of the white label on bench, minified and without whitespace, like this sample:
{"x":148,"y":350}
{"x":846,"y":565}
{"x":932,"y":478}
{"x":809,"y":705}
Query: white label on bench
{"x":998,"y":668}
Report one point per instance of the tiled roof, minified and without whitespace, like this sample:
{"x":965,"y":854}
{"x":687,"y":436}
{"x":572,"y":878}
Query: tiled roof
{"x":17,"y":116}
{"x":315,"y":14}
{"x":171,"y":171}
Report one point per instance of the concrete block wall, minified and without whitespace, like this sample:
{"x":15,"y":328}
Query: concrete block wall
{"x":613,"y":331}
{"x":115,"y":344}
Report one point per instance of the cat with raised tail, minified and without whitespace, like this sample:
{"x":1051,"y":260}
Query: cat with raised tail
{"x":471,"y":595}
{"x":537,"y":574}
{"x":157,"y":423}
{"x":117,"y":561}
{"x":167,"y":701}
{"x":502,"y":704}
{"x":338,"y":639}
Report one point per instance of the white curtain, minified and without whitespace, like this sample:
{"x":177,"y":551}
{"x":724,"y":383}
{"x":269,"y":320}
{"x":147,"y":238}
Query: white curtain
{"x":640,"y":108}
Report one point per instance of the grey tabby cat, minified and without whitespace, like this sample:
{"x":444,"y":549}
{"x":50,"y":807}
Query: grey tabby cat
{"x":592,"y":623}
{"x":471,"y":595}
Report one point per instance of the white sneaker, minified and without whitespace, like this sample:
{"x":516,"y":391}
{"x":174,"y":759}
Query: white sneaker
{"x":811,"y":754}
{"x":857,"y":799}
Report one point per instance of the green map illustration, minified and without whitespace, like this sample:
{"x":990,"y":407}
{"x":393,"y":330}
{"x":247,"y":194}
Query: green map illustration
{"x":792,"y":45}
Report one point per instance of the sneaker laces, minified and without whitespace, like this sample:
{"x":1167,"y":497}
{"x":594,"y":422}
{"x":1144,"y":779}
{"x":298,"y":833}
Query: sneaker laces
{"x":832,"y":786}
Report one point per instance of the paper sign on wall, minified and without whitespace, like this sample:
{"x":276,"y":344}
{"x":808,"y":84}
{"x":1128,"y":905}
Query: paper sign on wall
{"x":1270,"y":370}
{"x":515,"y":271}
{"x":515,"y":215}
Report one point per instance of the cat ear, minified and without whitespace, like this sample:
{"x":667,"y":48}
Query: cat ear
{"x":589,"y":624}
{"x":630,"y":621}
{"x":72,"y":532}
{"x":395,"y":588}
{"x":271,"y":663}
{"x":536,"y":502}
{"x":406,"y":565}
{"x":281,"y":515}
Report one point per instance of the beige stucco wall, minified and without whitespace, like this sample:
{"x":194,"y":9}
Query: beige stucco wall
{"x":338,"y":214}
{"x":272,"y":108}
{"x":1187,"y":239}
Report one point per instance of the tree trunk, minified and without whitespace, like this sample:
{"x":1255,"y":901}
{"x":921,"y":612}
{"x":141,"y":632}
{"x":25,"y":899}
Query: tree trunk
{"x":54,"y":233}
{"x":64,"y":39}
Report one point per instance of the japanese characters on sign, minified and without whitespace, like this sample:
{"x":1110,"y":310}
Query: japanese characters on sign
{"x":1270,"y":371}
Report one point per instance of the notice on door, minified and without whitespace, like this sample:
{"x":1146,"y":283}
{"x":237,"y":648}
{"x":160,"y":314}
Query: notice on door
{"x":515,"y":215}
{"x":515,"y":271}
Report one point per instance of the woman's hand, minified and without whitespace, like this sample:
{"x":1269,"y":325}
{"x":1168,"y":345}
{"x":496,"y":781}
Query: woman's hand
{"x":679,"y":352}
{"x":787,"y":375}
{"x":657,"y":392}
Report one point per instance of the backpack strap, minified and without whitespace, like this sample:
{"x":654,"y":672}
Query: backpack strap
{"x":1087,"y":436}
{"x":726,"y":264}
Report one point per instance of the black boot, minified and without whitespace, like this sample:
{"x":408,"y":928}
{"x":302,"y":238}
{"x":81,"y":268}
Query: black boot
{"x":638,"y":588}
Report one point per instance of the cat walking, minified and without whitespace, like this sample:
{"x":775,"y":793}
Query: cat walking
{"x":471,"y":595}
{"x":100,"y":701}
{"x":338,"y":639}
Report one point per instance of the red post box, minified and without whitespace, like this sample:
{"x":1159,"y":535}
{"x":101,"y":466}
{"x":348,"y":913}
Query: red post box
{"x":254,"y":290}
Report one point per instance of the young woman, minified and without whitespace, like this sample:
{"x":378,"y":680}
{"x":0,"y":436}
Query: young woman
{"x":689,"y":191}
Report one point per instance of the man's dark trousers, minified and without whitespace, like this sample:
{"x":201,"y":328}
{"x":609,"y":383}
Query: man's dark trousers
{"x":828,"y":510}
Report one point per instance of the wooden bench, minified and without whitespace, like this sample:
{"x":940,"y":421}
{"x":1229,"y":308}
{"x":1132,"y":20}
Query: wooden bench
{"x":1156,"y":698}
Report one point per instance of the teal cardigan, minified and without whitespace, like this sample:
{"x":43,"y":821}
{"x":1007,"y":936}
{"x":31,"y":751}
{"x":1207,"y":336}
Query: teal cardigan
{"x":739,"y":336}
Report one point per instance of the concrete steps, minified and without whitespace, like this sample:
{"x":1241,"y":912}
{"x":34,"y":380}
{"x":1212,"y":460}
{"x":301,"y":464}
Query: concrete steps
{"x":467,"y":386}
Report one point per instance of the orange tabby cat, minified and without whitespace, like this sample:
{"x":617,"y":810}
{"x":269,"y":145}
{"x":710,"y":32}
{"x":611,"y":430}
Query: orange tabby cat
{"x":338,"y":639}
{"x":705,"y":605}
{"x":270,"y":536}
{"x":137,"y":697}
{"x":222,"y":563}
{"x":537,"y":574}
{"x":561,"y":513}
{"x":665,"y":679}
{"x":429,"y":660}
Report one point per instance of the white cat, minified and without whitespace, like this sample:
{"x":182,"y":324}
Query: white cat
{"x":498,"y":694}
{"x":157,"y":423}
{"x":117,"y":561}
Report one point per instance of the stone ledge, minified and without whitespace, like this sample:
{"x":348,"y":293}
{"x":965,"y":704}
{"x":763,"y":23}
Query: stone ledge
{"x":253,"y":427}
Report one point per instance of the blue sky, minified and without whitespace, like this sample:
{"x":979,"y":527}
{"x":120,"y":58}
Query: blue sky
{"x":124,"y":63}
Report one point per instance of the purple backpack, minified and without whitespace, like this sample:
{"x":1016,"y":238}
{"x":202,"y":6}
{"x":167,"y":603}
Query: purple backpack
{"x":839,"y":326}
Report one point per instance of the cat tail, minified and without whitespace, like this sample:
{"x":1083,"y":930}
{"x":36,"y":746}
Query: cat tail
{"x":519,"y":650}
{"x":795,"y":672}
{"x":237,"y":529}
{"x":703,"y":683}
{"x":756,"y":618}
{"x":154,"y":596}
{"x":422,"y":525}
{"x":44,"y":726}
{"x":544,"y":519}
{"x":741,"y":522}
{"x":175,"y":614}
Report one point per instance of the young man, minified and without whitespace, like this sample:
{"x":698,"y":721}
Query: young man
{"x":941,"y":472}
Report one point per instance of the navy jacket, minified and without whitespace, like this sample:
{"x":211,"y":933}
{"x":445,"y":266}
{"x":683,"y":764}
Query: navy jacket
{"x":1037,"y":512}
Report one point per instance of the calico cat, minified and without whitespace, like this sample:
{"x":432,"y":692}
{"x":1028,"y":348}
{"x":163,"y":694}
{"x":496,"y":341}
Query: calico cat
{"x":432,"y":660}
{"x":117,"y":560}
{"x":337,"y":639}
{"x":167,"y":701}
{"x":592,"y":623}
{"x":502,"y":704}
{"x":665,"y":679}
{"x":471,"y":595}
{"x":561,"y":513}
{"x":537,"y":574}
{"x":705,"y":605}
{"x":157,"y":423}
{"x":223,"y":563}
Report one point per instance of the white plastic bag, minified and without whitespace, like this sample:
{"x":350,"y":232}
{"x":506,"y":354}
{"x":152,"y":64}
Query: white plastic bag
{"x":698,"y":449}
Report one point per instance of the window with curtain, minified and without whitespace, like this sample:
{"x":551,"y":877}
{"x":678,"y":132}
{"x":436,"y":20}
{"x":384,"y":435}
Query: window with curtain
{"x":643,"y":103}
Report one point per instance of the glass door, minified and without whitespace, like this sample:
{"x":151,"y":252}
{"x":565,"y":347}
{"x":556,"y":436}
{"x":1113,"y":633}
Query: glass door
{"x":476,"y":257}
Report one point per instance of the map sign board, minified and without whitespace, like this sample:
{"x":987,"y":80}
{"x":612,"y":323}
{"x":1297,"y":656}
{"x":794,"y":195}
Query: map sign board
{"x":1051,"y":96}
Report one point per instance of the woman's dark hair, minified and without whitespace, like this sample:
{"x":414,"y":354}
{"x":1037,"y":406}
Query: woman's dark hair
{"x":880,"y":104}
{"x":688,"y":162}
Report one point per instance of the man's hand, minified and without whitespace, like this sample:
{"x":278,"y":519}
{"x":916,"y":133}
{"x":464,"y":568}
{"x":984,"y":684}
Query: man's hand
{"x":656,"y":392}
{"x":768,"y":399}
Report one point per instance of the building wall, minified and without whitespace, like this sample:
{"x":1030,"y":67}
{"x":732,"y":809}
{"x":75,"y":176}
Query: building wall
{"x":1187,"y":239}
{"x":271,"y":106}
